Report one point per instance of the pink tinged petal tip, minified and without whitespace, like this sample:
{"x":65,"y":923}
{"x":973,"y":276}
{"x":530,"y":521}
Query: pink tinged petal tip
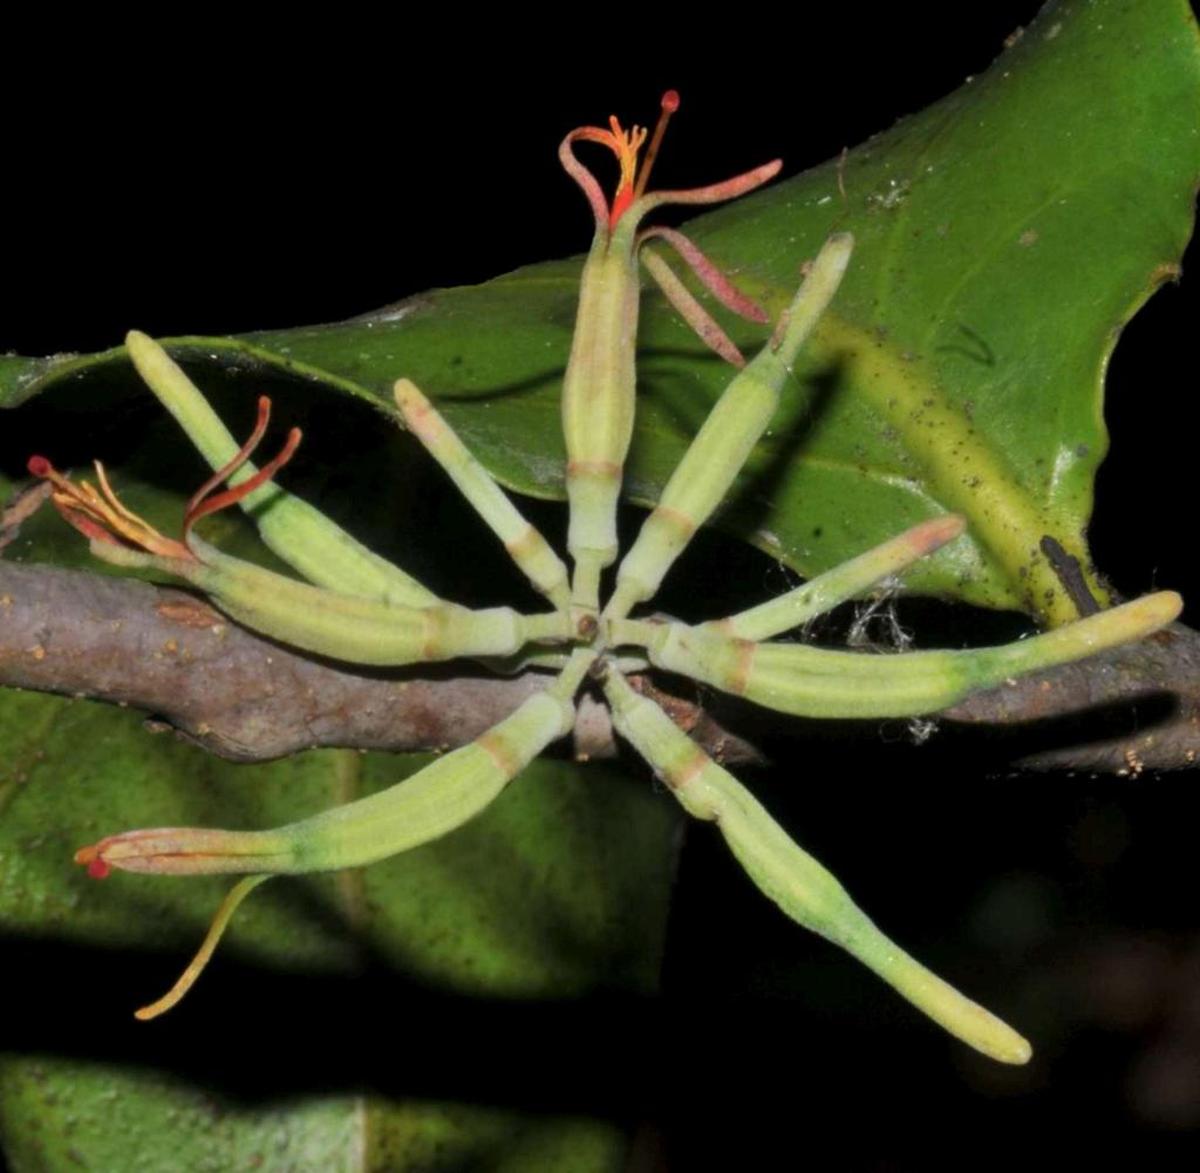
{"x":936,"y":532}
{"x":716,"y":193}
{"x":176,"y":851}
{"x":706,"y":328}
{"x":713,"y":279}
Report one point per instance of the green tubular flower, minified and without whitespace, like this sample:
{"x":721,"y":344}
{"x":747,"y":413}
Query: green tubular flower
{"x":816,"y":682}
{"x":422,"y":808}
{"x":599,"y":383}
{"x":351,"y":627}
{"x":441,"y":797}
{"x":302,"y":536}
{"x":808,"y":892}
{"x":842,"y":583}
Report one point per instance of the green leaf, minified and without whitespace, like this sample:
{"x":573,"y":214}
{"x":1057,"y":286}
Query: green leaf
{"x":71,"y":1115}
{"x":558,"y":892}
{"x":1004,"y":236}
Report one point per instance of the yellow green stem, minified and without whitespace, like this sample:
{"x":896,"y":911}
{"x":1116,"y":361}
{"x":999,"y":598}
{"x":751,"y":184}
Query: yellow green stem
{"x":805,"y":890}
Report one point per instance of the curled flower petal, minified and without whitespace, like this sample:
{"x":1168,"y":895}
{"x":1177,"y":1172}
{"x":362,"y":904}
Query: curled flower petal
{"x":101,"y":516}
{"x":625,"y":144}
{"x":714,"y":193}
{"x":713,"y":279}
{"x":239,"y":458}
{"x":587,"y":181}
{"x":705,"y":326}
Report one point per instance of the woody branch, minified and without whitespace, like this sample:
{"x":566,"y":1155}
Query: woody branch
{"x":169,"y":654}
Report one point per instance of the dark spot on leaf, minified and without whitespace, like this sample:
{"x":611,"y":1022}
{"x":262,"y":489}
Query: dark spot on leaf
{"x":976,"y":347}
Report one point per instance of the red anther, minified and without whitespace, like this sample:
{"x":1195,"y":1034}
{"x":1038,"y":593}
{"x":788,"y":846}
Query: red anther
{"x":39,"y":466}
{"x":670,"y":101}
{"x":98,"y":869}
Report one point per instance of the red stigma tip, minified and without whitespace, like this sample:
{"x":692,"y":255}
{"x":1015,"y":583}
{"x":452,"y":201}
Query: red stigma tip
{"x":98,"y":869}
{"x":670,"y":101}
{"x":38,"y":466}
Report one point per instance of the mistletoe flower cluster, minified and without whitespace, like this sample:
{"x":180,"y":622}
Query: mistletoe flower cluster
{"x":358,"y":608}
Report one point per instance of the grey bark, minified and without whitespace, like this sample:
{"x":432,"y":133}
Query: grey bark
{"x":243,"y":697}
{"x":168,"y":653}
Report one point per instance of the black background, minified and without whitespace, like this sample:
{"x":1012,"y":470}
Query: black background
{"x":223,"y":182}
